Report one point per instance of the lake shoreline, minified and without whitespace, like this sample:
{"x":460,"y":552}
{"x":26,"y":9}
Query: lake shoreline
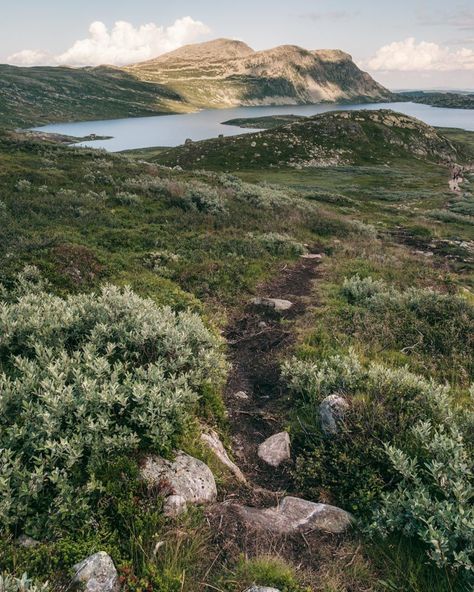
{"x":172,"y":130}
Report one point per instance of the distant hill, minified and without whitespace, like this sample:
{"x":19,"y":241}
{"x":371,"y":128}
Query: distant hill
{"x":329,"y":139}
{"x":225,"y":73}
{"x":451,"y":100}
{"x":32,"y":96}
{"x":218,"y":73}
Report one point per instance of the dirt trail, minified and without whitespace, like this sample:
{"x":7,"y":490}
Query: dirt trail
{"x":256,"y":339}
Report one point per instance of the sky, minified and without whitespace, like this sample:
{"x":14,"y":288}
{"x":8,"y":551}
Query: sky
{"x":403,"y":44}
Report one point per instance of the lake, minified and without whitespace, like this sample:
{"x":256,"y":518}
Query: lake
{"x":173,"y":130}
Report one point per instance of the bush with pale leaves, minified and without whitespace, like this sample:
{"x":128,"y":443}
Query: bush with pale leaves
{"x":83,"y":379}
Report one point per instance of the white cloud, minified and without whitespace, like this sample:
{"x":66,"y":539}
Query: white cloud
{"x":409,"y":56}
{"x":122,"y":44}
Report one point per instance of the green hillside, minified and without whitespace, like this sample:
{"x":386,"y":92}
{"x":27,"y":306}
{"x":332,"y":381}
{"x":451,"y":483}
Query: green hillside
{"x":40,"y":95}
{"x":336,"y":138}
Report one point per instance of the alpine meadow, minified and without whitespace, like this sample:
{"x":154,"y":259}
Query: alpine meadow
{"x":236,"y":297}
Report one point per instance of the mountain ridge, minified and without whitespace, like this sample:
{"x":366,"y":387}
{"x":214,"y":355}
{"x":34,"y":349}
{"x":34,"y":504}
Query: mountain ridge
{"x":224,"y":73}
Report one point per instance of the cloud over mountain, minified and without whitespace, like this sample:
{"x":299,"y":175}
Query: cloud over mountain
{"x":122,"y":44}
{"x":409,"y":55}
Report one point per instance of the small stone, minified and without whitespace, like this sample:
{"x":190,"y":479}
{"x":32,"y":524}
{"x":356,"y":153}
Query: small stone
{"x":312,"y":256}
{"x":174,"y":506}
{"x":242,"y":395}
{"x":331,"y":412}
{"x":275,"y":449}
{"x":262,"y":589}
{"x":276,"y":304}
{"x":97,"y":573}
{"x":213,"y":442}
{"x":27,"y":542}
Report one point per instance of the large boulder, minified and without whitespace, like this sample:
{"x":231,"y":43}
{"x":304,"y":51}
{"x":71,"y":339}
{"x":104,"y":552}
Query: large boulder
{"x":212,"y":441}
{"x":97,"y":573}
{"x":331,"y":412}
{"x":276,"y":304}
{"x":276,"y":449}
{"x":185,"y":477}
{"x":295,"y":515}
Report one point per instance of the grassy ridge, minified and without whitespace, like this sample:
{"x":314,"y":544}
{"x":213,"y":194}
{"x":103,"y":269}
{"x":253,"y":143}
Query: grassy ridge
{"x":40,"y":95}
{"x":337,"y":138}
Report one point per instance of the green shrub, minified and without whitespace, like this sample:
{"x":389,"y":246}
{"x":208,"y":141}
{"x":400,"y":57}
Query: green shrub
{"x":268,"y":571}
{"x":422,"y":323}
{"x":84,"y":378}
{"x":351,"y":467}
{"x":433,"y":502}
{"x":10,"y":583}
{"x":280,"y":244}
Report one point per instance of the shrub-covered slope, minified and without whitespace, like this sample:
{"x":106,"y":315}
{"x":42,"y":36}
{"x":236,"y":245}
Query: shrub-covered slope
{"x":339,"y":138}
{"x":33,"y":96}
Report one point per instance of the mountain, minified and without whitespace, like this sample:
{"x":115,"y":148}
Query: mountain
{"x":224,"y":73}
{"x":33,"y":96}
{"x":330,"y":139}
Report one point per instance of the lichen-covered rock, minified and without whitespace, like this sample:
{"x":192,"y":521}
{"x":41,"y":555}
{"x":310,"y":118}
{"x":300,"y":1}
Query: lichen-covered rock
{"x":97,"y":573}
{"x":295,"y":515}
{"x":174,"y":506}
{"x":276,"y":304}
{"x":27,"y":542}
{"x":184,"y":476}
{"x":212,"y":441}
{"x":331,"y":412}
{"x":276,"y":449}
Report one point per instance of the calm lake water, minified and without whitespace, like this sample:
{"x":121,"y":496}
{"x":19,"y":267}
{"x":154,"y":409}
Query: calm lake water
{"x":173,"y":130}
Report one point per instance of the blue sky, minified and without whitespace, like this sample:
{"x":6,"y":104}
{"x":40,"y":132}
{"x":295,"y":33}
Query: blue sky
{"x":403,"y":44}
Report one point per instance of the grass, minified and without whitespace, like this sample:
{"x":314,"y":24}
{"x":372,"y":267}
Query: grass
{"x":86,"y":217}
{"x":40,"y":95}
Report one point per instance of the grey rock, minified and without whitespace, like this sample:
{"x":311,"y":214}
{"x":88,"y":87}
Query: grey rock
{"x":212,"y":441}
{"x":261,"y":589}
{"x":242,"y":395}
{"x":331,"y":412}
{"x":174,"y":506}
{"x":275,"y":449}
{"x":295,"y":515}
{"x":185,"y":476}
{"x":26,"y":541}
{"x":316,"y":256}
{"x":276,"y":304}
{"x":97,"y":573}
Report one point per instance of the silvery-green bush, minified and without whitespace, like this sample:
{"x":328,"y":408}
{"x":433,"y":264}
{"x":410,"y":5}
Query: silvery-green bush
{"x":404,"y":446}
{"x":10,"y":583}
{"x":85,"y":378}
{"x":434,"y":499}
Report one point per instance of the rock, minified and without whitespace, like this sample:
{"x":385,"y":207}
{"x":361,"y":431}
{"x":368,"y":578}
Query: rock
{"x":277,"y":304}
{"x":185,"y":476}
{"x":331,"y":411}
{"x":261,"y":589}
{"x":212,"y":440}
{"x":312,"y":256}
{"x":27,"y":542}
{"x":97,"y":573}
{"x":295,"y":515}
{"x":174,"y":506}
{"x":242,"y":395}
{"x":275,"y":449}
